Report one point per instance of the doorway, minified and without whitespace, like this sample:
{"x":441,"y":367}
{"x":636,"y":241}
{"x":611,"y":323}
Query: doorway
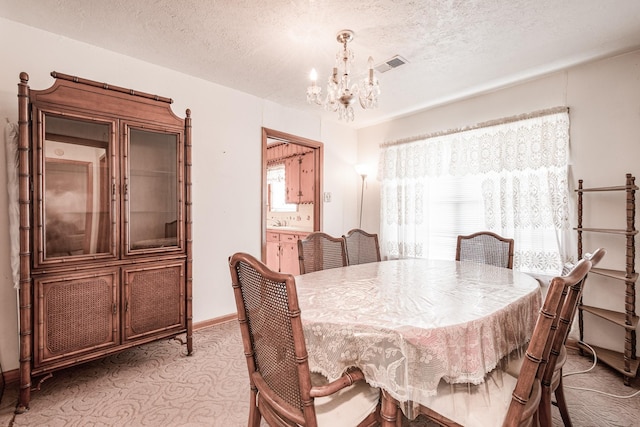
{"x":291,"y":212}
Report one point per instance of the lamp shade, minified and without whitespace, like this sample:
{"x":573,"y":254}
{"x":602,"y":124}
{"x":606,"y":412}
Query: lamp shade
{"x":362,"y":170}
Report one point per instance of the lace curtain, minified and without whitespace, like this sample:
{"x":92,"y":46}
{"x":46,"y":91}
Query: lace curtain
{"x":11,"y":149}
{"x":510,"y":178}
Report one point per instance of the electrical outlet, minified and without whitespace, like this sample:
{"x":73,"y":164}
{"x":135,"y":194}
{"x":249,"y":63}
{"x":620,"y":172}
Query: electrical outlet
{"x":327,"y":197}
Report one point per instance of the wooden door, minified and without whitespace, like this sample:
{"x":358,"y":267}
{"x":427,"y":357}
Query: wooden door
{"x":307,"y":178}
{"x":289,"y":260}
{"x":273,"y":251}
{"x":292,"y":179}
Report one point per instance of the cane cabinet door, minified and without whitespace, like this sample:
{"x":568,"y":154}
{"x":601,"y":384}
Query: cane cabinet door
{"x":153,"y":299}
{"x":75,"y":315}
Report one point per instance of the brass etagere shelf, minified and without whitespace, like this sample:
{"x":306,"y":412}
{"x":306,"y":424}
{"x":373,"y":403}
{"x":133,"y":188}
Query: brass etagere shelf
{"x":625,"y":362}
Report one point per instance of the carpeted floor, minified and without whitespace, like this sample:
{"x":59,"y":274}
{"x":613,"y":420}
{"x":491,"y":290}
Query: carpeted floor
{"x":156,"y":385}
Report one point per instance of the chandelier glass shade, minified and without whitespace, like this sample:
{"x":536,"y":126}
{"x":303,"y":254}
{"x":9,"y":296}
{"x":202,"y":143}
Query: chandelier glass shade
{"x":341,"y":92}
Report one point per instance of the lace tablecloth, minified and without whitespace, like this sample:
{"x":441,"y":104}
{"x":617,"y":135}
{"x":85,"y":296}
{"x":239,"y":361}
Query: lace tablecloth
{"x":410,"y":323}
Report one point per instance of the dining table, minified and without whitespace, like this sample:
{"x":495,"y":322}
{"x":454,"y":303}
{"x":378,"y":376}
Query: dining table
{"x":409,"y":324}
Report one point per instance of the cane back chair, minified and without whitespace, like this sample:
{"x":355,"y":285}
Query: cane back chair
{"x":552,"y":379}
{"x":362,"y":247}
{"x":283,"y":391}
{"x":487,"y":248}
{"x":510,"y":401}
{"x":320,"y":251}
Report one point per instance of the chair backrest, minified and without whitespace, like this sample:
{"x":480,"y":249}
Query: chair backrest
{"x":596,"y":256}
{"x":362,"y":247}
{"x":320,"y":251}
{"x":487,"y":248}
{"x":570,"y":300}
{"x":537,"y":354}
{"x":273,"y":339}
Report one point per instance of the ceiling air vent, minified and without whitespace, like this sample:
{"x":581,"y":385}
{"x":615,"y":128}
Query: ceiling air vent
{"x":394,"y":62}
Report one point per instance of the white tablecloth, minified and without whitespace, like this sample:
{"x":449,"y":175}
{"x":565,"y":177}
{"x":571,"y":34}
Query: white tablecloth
{"x":410,"y":323}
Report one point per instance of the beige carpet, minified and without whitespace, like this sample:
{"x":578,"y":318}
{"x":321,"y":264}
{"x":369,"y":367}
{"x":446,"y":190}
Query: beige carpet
{"x":156,"y":385}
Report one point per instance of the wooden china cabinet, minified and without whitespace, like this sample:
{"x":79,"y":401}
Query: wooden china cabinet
{"x":105,"y":224}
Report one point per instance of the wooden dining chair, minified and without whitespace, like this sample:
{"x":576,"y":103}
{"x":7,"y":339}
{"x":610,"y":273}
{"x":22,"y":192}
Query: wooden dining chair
{"x":362,"y":247}
{"x":552,"y":378}
{"x":320,"y":251}
{"x":487,"y":248}
{"x":283,"y":391}
{"x":504,"y":399}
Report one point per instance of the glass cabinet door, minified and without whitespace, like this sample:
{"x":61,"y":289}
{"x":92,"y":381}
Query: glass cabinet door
{"x":152,"y":190}
{"x":75,"y":214}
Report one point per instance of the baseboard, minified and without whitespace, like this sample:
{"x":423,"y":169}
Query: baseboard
{"x":13,"y":376}
{"x":215,"y":321}
{"x":572,"y":343}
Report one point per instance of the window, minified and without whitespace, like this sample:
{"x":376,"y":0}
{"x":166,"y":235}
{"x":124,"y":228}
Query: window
{"x":277,"y":190}
{"x":510,"y":178}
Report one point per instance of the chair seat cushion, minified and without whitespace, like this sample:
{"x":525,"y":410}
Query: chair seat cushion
{"x":346,"y":408}
{"x":477,"y":405}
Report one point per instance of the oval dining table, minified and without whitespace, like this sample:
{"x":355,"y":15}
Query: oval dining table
{"x":410,"y":323}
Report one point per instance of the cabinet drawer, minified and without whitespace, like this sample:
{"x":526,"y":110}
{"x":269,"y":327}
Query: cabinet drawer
{"x":273,"y":237}
{"x":289,"y":238}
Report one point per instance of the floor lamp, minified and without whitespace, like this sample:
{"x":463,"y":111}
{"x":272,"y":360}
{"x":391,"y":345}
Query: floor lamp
{"x":362,"y":170}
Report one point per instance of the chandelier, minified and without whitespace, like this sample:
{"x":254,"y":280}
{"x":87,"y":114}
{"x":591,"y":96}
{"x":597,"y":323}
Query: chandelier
{"x":341,"y":94}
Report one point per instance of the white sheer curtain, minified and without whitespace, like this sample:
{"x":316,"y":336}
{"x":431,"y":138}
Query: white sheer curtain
{"x":510,"y":178}
{"x":11,"y":148}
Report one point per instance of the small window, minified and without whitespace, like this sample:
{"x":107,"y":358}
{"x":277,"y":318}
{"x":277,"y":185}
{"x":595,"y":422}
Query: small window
{"x":276,"y":184}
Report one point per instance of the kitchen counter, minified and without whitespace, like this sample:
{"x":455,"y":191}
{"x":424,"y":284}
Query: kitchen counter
{"x":288,"y":229}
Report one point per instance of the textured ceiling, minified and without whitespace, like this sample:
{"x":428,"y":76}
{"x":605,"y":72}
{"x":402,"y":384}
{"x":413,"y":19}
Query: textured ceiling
{"x":454,"y":48}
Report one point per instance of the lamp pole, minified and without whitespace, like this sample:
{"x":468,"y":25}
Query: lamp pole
{"x":364,"y":176}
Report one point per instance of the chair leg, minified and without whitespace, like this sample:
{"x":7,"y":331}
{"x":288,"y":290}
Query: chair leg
{"x":544,"y":409}
{"x":562,"y":404}
{"x":254,"y":412}
{"x":389,"y":411}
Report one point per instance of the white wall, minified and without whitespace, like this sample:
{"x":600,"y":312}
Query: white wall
{"x":340,"y":179}
{"x":604,"y":98}
{"x":226,"y":158}
{"x":604,"y":101}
